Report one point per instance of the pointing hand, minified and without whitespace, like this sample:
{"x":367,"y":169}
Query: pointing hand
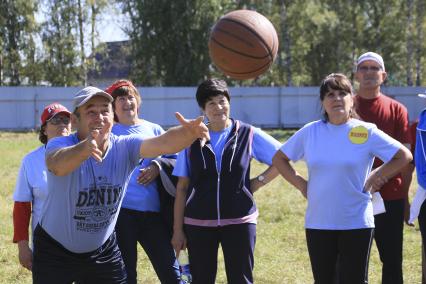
{"x":195,"y":127}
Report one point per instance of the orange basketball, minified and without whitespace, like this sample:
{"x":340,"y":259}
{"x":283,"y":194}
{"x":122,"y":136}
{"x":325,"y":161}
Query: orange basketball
{"x":243,"y":44}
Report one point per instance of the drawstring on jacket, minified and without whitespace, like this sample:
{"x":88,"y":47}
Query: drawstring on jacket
{"x":204,"y":160}
{"x":234,"y":147}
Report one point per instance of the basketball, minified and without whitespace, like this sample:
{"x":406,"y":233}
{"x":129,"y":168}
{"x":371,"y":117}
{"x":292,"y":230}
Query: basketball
{"x":243,"y":44}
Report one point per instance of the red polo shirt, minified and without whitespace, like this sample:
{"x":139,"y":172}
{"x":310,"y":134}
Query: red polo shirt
{"x":391,"y":117}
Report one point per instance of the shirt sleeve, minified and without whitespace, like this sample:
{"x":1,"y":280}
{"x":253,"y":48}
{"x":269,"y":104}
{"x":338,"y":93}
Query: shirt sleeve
{"x":158,"y":130}
{"x":403,"y":133}
{"x":58,"y":142}
{"x":182,"y":165}
{"x":294,"y":147}
{"x":134,"y":143}
{"x":21,"y":221}
{"x":264,"y":146}
{"x":161,"y":131}
{"x":413,"y":131}
{"x":383,"y":146}
{"x":23,"y":190}
{"x":419,"y":152}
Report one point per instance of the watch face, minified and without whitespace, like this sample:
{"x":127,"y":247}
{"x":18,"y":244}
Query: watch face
{"x":260,"y":178}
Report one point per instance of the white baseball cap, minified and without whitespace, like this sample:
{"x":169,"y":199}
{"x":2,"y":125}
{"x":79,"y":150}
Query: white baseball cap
{"x":373,"y":57}
{"x":87,"y":93}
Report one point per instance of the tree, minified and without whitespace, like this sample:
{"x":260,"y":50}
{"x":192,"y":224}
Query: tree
{"x":33,"y":69}
{"x":2,"y":35}
{"x":96,"y":8}
{"x":81,"y":16}
{"x":410,"y":41}
{"x":169,"y":39}
{"x":384,"y":31}
{"x":60,"y":43}
{"x":68,"y":32}
{"x":17,"y":26}
{"x":284,"y":55}
{"x":419,"y":39}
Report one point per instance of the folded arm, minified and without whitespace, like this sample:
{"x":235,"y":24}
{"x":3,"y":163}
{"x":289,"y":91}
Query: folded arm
{"x":379,"y":176}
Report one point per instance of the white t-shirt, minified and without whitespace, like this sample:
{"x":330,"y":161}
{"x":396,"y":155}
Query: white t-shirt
{"x":82,"y":207}
{"x":339,"y":159}
{"x":31,"y":184}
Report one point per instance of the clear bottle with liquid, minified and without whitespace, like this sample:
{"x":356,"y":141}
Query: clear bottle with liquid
{"x":185,"y":273}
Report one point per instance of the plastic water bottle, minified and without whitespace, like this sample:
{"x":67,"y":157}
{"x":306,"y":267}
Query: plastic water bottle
{"x":185,"y":273}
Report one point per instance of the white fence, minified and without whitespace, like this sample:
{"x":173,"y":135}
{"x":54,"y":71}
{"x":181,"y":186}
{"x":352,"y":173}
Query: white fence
{"x":268,"y":107}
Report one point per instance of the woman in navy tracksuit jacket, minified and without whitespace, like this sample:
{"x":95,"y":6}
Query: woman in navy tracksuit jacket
{"x":214,"y":199}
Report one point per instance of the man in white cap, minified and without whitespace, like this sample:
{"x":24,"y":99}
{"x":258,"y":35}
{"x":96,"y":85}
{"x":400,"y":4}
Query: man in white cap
{"x":391,"y":117}
{"x":75,"y":238}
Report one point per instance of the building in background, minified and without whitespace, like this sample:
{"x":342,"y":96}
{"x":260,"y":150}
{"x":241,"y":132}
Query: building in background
{"x":111,"y":62}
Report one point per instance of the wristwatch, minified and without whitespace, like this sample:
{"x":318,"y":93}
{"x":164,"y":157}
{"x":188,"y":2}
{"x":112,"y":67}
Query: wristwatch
{"x":261,"y":178}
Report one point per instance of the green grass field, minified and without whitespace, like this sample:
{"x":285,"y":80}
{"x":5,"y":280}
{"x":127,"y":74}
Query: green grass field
{"x":280,"y":257}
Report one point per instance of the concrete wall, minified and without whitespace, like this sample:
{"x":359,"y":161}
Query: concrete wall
{"x":269,"y":107}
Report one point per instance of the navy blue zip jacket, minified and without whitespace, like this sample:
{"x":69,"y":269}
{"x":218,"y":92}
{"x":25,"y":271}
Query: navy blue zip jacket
{"x":222,"y":198}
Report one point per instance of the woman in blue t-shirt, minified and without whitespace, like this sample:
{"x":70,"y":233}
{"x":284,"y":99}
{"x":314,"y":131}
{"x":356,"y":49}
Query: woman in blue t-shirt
{"x":31,"y":184}
{"x":214,"y":196}
{"x":140,"y":220}
{"x":339,"y":151}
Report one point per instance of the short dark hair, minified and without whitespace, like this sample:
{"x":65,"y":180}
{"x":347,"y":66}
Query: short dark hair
{"x":211,"y":88}
{"x":41,"y":135}
{"x":336,"y":82}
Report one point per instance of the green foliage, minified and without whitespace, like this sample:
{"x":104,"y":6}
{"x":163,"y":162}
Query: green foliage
{"x":169,"y":39}
{"x":17,"y":27}
{"x":60,"y":43}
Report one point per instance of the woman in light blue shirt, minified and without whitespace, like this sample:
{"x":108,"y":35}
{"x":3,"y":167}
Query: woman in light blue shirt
{"x":31,"y":184}
{"x":339,"y":151}
{"x":140,"y":220}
